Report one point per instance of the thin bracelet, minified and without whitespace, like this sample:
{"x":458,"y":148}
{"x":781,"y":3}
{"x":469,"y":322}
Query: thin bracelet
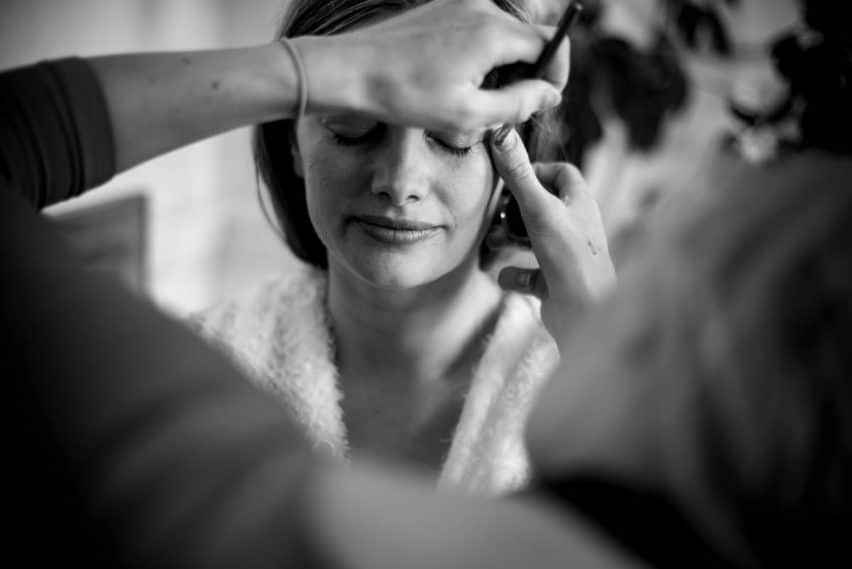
{"x":302,"y":76}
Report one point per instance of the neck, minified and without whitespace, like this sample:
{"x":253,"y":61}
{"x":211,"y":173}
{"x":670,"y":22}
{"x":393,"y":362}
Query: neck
{"x":419,"y":334}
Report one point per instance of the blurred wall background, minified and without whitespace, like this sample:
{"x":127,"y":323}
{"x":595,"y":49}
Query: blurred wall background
{"x":207,"y":237}
{"x":623,"y":180}
{"x":626,"y":183}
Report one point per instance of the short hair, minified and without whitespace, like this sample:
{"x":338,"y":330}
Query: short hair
{"x":272,"y":140}
{"x":731,"y":333}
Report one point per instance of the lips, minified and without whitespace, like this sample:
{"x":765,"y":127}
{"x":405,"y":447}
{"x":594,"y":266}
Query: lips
{"x":395,"y":231}
{"x":395,"y":224}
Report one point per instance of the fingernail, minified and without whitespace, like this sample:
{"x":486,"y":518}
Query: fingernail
{"x":501,"y":135}
{"x":554,"y":99}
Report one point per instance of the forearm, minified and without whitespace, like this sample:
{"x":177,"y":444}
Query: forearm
{"x":69,"y":125}
{"x":161,"y":101}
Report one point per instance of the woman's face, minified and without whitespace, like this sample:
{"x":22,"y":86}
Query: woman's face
{"x":398,"y":207}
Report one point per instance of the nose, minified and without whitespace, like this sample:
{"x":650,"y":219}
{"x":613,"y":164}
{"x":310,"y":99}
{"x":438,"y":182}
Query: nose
{"x":400,"y":169}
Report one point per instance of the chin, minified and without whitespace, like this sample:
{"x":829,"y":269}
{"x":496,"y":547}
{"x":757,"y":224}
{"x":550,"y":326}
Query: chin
{"x":396,"y":277}
{"x":401,"y":269}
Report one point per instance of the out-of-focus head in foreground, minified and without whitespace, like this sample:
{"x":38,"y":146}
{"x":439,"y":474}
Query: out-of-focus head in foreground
{"x":721,"y":373}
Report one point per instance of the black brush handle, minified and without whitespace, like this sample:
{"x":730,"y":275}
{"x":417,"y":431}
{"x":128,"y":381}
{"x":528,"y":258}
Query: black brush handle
{"x":565,"y":23}
{"x":508,"y":74}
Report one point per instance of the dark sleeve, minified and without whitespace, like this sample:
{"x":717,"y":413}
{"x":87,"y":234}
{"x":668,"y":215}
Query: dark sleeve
{"x":56,"y":139}
{"x":129,"y":442}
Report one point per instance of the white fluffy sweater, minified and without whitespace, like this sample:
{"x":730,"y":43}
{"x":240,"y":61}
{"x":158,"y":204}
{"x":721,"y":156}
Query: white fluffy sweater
{"x":279,"y":334}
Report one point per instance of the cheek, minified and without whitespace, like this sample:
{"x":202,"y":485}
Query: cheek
{"x":331,"y":179}
{"x":329,"y":174}
{"x":471,"y":190}
{"x":325,"y":169}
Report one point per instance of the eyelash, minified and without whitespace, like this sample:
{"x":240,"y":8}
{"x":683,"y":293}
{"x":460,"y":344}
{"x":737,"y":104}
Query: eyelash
{"x":350,"y":140}
{"x":355,"y":140}
{"x":454,"y":150}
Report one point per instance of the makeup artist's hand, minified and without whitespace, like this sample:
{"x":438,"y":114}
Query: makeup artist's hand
{"x":566,"y":233}
{"x":425,"y":66}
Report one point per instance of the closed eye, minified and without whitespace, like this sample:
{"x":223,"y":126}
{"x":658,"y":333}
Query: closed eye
{"x":453,"y":148}
{"x":350,"y":130}
{"x":352,"y":140}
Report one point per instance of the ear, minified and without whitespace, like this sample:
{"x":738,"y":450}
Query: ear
{"x":296,"y":155}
